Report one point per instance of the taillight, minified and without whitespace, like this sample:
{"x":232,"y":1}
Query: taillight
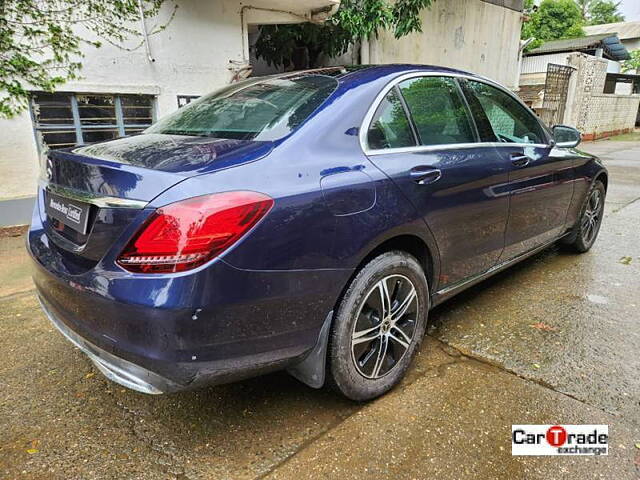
{"x":186,"y":234}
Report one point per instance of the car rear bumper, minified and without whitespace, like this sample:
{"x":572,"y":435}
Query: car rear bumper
{"x":114,"y":368}
{"x":158,"y":334}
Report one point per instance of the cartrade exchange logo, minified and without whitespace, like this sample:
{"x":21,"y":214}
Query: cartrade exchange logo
{"x":559,"y":439}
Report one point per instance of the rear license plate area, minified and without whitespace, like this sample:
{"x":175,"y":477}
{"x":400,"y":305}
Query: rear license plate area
{"x":70,"y":213}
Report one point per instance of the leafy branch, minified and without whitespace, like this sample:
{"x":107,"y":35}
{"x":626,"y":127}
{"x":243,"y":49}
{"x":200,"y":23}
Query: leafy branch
{"x":354,"y":20}
{"x":42,"y":41}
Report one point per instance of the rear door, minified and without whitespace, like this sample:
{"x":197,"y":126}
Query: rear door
{"x":540,"y":177}
{"x":423,"y":137}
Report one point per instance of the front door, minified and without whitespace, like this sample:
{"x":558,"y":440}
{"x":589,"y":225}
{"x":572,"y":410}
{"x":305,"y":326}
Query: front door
{"x":423,"y":137}
{"x":541,"y":178}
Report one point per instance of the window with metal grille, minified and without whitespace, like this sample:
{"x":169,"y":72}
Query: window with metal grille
{"x":68,"y":119}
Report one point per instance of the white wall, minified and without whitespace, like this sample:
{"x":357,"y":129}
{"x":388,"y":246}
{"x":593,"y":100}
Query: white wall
{"x":540,"y":63}
{"x":594,"y":113}
{"x":631,"y":44}
{"x":467,"y":34}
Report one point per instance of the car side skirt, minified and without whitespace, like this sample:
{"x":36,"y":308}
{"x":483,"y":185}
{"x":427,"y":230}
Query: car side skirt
{"x":452,"y":290}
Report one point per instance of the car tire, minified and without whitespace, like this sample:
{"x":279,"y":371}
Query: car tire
{"x":372,"y":343}
{"x":585,"y":231}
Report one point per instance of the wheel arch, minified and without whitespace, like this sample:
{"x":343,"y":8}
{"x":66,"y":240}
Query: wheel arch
{"x":604,"y":178}
{"x":410,"y":242}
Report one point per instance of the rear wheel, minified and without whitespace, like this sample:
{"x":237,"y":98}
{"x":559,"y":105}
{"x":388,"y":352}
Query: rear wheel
{"x":378,"y":326}
{"x":586,"y":230}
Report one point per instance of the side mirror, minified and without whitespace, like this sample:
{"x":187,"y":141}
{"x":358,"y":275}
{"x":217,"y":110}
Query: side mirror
{"x":566,"y":137}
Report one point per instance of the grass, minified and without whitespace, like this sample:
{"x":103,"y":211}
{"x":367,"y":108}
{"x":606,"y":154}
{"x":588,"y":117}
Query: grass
{"x":626,"y":137}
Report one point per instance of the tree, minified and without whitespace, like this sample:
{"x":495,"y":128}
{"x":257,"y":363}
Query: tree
{"x":633,"y":64}
{"x":604,"y":11}
{"x":354,"y":20}
{"x":585,"y":6}
{"x":41,"y":41}
{"x":553,"y":20}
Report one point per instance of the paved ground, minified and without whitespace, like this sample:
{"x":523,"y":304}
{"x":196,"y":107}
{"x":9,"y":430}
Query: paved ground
{"x":483,"y":368}
{"x":16,"y":211}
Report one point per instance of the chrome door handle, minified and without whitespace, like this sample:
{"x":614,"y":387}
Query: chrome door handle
{"x":519,"y":160}
{"x":425,"y":175}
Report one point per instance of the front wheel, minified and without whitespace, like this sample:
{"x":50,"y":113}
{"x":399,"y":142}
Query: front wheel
{"x":378,"y":326}
{"x":586,"y":230}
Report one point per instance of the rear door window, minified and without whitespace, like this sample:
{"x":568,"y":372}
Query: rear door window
{"x":511,"y":121}
{"x":438,"y":111}
{"x":390,"y":127}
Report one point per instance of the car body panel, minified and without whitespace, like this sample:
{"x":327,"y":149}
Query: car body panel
{"x":540,"y":196}
{"x":466,"y":208}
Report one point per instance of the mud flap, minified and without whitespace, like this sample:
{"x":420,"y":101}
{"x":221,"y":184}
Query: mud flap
{"x":311,"y":370}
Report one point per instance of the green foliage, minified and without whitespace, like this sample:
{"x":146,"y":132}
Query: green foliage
{"x":556,"y":19}
{"x":553,"y":20}
{"x":604,"y":11}
{"x":354,"y":20}
{"x":584,"y":6}
{"x":632,"y":65}
{"x":529,"y":7}
{"x":280,"y":44}
{"x":41,"y":44}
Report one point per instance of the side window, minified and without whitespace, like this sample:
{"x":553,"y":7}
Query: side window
{"x":438,"y":110}
{"x":511,"y":122}
{"x":390,"y":126}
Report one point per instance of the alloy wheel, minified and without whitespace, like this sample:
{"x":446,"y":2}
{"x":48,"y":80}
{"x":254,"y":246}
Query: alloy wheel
{"x":385,"y":326}
{"x":592,"y":217}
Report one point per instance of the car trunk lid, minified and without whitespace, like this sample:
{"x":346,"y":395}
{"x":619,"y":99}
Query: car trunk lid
{"x":91,"y":194}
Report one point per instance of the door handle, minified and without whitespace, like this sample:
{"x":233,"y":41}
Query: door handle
{"x":424,"y":175}
{"x":519,"y":160}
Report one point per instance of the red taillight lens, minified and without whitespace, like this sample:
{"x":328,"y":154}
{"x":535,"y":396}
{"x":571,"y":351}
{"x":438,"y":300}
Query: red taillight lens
{"x":186,"y":234}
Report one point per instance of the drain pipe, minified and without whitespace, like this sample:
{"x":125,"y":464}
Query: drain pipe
{"x":523,"y":44}
{"x":144,"y":33}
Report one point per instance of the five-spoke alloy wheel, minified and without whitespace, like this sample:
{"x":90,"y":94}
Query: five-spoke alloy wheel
{"x":592,"y":216}
{"x":378,"y":326}
{"x":586,"y":230}
{"x":384,"y":326}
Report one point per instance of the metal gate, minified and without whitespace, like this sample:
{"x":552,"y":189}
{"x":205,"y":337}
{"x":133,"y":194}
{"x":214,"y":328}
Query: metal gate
{"x":555,"y":93}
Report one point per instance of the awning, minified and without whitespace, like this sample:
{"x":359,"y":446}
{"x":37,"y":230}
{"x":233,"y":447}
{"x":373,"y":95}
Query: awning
{"x":611,"y":45}
{"x":305,"y":8}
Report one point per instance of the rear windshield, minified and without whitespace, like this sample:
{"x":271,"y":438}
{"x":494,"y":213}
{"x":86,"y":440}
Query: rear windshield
{"x":264,"y":110}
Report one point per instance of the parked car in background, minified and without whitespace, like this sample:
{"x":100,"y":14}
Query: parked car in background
{"x":307,"y":221}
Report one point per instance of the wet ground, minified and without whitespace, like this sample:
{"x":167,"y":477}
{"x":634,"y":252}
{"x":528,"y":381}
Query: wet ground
{"x":555,"y":339}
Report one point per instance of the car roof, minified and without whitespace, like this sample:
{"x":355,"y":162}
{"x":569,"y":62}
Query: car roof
{"x":347,"y":74}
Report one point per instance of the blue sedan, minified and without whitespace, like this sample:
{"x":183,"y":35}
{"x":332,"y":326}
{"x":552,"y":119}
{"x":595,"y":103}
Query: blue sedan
{"x":307,"y":221}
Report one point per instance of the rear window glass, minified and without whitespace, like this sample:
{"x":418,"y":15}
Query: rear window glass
{"x":265,"y":110}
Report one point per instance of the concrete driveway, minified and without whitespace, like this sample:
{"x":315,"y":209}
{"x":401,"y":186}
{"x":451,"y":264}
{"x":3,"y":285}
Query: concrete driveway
{"x":555,"y":339}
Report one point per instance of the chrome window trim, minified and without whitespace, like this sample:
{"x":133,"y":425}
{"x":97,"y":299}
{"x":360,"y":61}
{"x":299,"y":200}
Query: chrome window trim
{"x":366,"y":123}
{"x":101,"y":201}
{"x":452,"y":146}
